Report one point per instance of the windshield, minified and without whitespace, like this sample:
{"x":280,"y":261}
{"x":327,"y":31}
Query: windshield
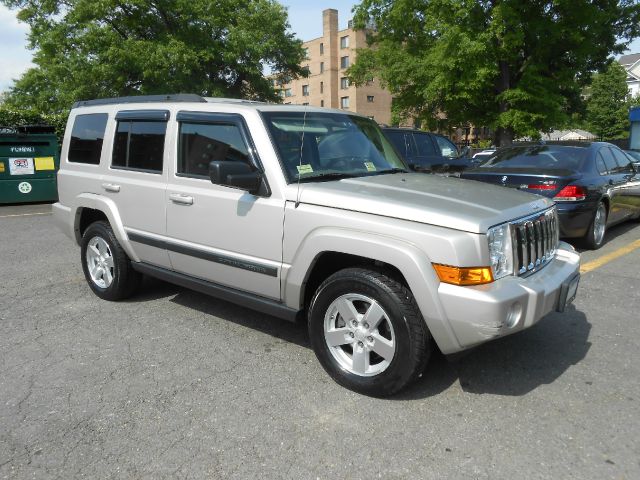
{"x":330,"y":145}
{"x":536,"y":157}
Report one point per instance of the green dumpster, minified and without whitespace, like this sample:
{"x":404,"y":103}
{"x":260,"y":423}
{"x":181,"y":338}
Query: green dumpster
{"x":29,"y":161}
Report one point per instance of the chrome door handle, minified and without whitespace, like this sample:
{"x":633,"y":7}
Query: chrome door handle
{"x":111,"y":187}
{"x":181,"y":199}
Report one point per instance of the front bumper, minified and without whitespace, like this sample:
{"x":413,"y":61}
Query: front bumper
{"x":511,"y":304}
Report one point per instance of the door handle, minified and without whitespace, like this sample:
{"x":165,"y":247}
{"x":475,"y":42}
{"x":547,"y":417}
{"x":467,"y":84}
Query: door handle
{"x":181,"y":199}
{"x":111,"y":187}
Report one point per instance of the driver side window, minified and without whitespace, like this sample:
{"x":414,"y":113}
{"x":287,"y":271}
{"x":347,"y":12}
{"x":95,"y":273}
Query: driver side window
{"x":201,"y":143}
{"x":447,"y":149}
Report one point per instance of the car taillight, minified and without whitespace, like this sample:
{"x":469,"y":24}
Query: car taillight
{"x":571,"y":193}
{"x":538,"y":186}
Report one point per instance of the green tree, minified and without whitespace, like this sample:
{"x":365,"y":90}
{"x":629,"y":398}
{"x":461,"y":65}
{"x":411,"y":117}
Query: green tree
{"x":101,"y":48}
{"x":608,"y":103}
{"x":516,"y":66}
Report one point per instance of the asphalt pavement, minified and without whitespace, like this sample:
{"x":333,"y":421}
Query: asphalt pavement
{"x":174,"y":384}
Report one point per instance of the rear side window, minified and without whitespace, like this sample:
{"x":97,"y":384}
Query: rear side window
{"x":609,"y":162}
{"x":87,"y":136}
{"x":403,"y":141}
{"x":425,"y":144}
{"x":600,"y":164}
{"x":201,"y":143}
{"x":139,"y":145}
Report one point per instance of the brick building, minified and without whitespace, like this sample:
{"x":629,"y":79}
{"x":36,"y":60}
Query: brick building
{"x":327,"y":85}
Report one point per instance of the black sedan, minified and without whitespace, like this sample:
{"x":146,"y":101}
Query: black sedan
{"x":595,"y":185}
{"x":428,"y":152}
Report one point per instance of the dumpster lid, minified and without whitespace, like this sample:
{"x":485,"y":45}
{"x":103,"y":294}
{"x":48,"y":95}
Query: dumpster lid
{"x":26,"y":129}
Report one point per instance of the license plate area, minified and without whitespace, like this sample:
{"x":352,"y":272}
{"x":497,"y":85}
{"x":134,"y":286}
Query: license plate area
{"x":568,"y":292}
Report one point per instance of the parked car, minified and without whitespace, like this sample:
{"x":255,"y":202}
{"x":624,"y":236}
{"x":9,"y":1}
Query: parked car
{"x":594,"y":185}
{"x":428,"y":152}
{"x":635,"y":157}
{"x":308,"y":213}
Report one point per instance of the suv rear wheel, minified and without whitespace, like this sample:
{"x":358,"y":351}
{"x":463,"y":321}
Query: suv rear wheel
{"x":367,"y":332}
{"x":106,"y":266}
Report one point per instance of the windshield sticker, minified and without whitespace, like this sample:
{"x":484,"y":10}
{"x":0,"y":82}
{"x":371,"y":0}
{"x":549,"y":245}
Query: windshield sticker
{"x":21,"y":166}
{"x":306,"y":168}
{"x":370,"y":166}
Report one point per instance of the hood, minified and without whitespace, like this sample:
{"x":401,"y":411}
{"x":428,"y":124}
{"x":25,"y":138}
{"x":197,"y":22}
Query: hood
{"x":443,"y":201}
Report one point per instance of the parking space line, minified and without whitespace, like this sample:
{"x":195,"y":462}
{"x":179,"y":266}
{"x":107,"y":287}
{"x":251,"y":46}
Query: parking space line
{"x":598,"y":262}
{"x":25,"y":214}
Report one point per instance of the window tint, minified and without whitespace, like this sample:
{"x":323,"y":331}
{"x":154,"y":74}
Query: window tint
{"x":425,"y":145}
{"x":403,"y":141}
{"x":600,"y":164}
{"x":139,"y":145}
{"x":624,"y":163}
{"x":87,"y":137}
{"x":201,"y":143}
{"x":609,"y":162}
{"x":447,"y":149}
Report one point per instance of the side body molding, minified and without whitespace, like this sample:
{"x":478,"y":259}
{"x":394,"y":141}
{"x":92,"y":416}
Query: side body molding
{"x":413,"y":263}
{"x":108,"y":207}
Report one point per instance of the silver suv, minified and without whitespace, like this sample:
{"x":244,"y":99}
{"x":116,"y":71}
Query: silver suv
{"x":303,"y":212}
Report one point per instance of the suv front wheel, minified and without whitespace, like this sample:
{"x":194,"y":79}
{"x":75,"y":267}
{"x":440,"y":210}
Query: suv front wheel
{"x":106,"y":266}
{"x":367,"y":331}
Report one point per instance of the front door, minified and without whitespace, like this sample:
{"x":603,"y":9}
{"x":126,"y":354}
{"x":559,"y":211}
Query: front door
{"x":214,"y":232}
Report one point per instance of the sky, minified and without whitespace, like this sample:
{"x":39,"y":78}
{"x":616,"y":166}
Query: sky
{"x":305,"y":18}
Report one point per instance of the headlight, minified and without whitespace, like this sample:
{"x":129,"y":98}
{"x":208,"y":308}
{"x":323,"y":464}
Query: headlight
{"x":500,"y":250}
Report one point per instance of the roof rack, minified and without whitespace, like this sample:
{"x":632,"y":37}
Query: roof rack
{"x":231,"y":100}
{"x":179,"y":97}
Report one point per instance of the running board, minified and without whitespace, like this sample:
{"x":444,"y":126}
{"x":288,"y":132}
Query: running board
{"x":245,"y":299}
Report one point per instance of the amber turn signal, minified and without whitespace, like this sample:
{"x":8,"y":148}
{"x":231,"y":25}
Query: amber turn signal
{"x":463,"y":275}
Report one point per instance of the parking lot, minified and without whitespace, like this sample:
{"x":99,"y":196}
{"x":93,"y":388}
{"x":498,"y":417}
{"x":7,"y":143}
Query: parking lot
{"x":174,"y":384}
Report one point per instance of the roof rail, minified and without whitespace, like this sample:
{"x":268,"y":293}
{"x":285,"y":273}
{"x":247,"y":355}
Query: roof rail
{"x":179,"y":97}
{"x":231,"y":100}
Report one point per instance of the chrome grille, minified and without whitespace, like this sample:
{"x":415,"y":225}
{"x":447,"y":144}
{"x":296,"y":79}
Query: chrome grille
{"x":535,"y":240}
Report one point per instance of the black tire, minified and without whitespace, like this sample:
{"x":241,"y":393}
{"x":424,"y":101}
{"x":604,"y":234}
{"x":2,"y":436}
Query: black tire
{"x":411,"y":336}
{"x":592,"y":240}
{"x":124,"y":278}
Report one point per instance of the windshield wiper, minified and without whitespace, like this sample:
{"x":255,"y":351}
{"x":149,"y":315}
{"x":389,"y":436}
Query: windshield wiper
{"x":391,"y":170}
{"x":329,"y":176}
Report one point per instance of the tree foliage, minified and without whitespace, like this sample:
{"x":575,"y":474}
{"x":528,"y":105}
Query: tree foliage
{"x":516,"y":66}
{"x":102,"y":48}
{"x":608,"y":103}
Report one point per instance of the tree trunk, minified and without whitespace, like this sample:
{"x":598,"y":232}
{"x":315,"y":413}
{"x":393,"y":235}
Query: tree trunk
{"x":504,"y":137}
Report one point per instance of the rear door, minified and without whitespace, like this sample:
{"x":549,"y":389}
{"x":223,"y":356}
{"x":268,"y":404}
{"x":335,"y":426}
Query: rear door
{"x":615,"y":184}
{"x":136,"y":180}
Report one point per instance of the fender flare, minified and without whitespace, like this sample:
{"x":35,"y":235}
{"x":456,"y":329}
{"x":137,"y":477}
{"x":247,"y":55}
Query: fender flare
{"x":411,"y":261}
{"x":109,"y":208}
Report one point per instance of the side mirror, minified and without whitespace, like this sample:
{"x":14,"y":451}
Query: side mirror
{"x":636,"y":166}
{"x":464,"y":151}
{"x":236,"y":175}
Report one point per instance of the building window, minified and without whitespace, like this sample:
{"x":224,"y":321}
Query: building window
{"x":321,"y":87}
{"x":287,"y":92}
{"x":322,"y":103}
{"x":344,"y":62}
{"x":305,"y":103}
{"x":321,"y":67}
{"x":369,"y":80}
{"x":344,"y":102}
{"x":322,"y":49}
{"x":306,"y":53}
{"x":306,"y":71}
{"x":305,"y":90}
{"x":370,"y":98}
{"x":344,"y":83}
{"x":344,"y":42}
